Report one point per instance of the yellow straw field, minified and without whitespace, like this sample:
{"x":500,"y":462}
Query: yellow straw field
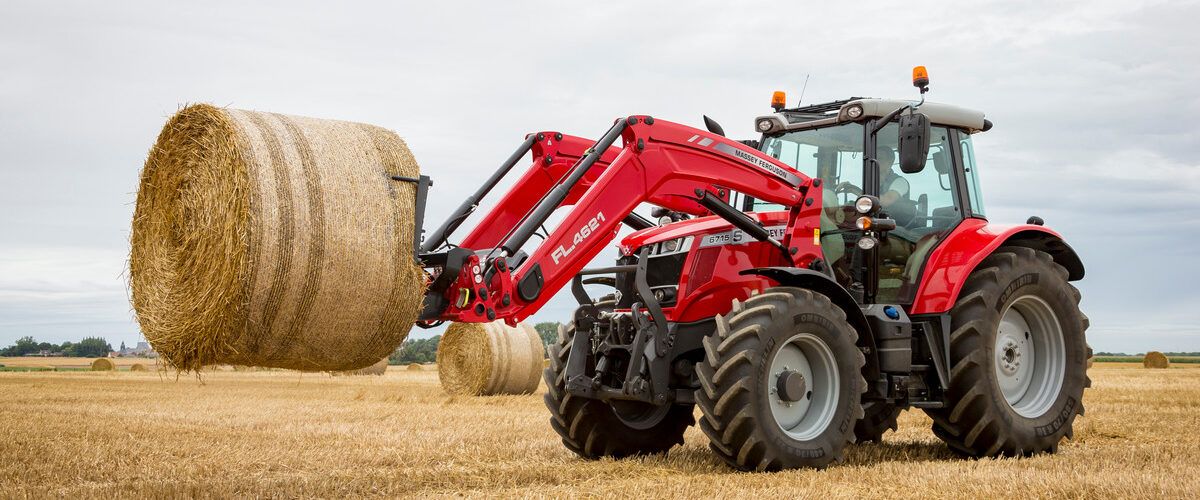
{"x":288,"y":434}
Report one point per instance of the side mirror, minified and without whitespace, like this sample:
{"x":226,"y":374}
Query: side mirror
{"x":914,"y":142}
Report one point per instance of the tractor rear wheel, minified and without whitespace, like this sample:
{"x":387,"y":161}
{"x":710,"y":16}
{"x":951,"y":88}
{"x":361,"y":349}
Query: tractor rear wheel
{"x":781,"y":382}
{"x":1018,"y":358}
{"x":593,"y":428}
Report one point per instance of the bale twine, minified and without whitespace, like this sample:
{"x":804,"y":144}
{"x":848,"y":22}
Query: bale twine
{"x":270,"y":240}
{"x":489,"y":358}
{"x":1155,"y":359}
{"x":138,"y":367}
{"x":415,"y":367}
{"x":103,"y":365}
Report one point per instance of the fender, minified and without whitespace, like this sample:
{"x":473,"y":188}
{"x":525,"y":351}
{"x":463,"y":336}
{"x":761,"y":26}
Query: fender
{"x":973,"y":240}
{"x":818,"y":282}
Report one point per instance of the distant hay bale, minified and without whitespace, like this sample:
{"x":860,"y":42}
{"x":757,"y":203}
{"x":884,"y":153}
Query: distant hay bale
{"x":415,"y":367}
{"x":103,"y":365}
{"x":545,"y":363}
{"x":138,"y":367}
{"x":379,"y":368}
{"x":269,"y":240}
{"x":489,"y":358}
{"x":1155,"y":359}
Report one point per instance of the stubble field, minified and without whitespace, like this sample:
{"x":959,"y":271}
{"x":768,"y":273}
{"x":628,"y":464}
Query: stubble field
{"x":286,"y":434}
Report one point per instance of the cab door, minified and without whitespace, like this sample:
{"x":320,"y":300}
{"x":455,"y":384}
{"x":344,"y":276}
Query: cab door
{"x":926,"y":206}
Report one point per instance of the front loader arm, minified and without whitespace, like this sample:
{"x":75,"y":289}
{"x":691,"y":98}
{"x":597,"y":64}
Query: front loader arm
{"x":553,"y":155}
{"x":662,"y":163}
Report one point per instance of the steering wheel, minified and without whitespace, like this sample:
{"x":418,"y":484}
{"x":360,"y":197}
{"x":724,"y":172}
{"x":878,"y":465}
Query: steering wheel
{"x":847,"y":187}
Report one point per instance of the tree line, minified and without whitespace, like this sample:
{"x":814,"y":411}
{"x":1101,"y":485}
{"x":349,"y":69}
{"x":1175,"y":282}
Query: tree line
{"x":425,"y":350}
{"x":90,"y":347}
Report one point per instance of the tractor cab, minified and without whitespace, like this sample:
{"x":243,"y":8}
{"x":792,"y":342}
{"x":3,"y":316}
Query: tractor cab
{"x":847,"y":145}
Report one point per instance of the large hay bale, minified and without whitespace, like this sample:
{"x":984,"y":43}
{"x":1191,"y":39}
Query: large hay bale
{"x":415,"y":367}
{"x":1155,"y":359}
{"x":138,"y":367}
{"x":270,"y":240}
{"x":103,"y":365}
{"x":490,"y":358}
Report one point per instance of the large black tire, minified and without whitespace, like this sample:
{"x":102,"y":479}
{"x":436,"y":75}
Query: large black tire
{"x":592,"y":428}
{"x":736,"y":380}
{"x":878,"y":418}
{"x":978,"y":420}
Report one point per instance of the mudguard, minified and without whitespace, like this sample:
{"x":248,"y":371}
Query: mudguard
{"x":952,"y":261}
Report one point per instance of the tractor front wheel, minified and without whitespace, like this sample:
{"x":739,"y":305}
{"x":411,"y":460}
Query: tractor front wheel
{"x":592,"y":428}
{"x":1018,"y":358}
{"x":781,"y":382}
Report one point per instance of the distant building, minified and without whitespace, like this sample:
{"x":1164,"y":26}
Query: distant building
{"x":44,"y":354}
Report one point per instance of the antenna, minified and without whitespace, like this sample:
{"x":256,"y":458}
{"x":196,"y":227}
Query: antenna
{"x":802,"y":89}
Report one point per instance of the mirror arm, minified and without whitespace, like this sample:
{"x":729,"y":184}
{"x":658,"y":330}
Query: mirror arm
{"x":882,"y":122}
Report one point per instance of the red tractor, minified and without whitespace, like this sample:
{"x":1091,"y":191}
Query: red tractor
{"x":801,"y":289}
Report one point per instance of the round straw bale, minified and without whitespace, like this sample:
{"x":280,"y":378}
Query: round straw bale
{"x":414,"y":367}
{"x":270,"y":240}
{"x":490,"y":358}
{"x":103,"y":365}
{"x":1155,"y":359}
{"x":138,"y":367}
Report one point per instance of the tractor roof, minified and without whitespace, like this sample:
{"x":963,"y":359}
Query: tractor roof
{"x":817,"y":115}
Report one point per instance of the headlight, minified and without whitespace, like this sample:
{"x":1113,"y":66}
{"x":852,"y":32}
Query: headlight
{"x":864,"y":204}
{"x":671,"y":245}
{"x":854,"y":112}
{"x":664,"y":220}
{"x":866,"y":243}
{"x":863,"y":223}
{"x":764,"y":125}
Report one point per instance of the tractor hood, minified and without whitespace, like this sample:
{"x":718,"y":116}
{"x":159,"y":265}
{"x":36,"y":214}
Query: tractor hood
{"x":691,"y":227}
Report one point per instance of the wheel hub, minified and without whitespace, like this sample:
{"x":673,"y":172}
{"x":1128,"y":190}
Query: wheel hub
{"x":791,"y":386}
{"x":1010,"y":356}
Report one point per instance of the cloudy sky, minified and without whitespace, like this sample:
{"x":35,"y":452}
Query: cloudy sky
{"x":1095,"y":105}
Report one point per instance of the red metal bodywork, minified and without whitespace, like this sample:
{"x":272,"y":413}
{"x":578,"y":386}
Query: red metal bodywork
{"x":664,"y":164}
{"x":710,"y":280}
{"x":950,"y":262}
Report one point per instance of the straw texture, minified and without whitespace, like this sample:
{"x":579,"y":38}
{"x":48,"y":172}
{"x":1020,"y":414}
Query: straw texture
{"x":379,"y":368}
{"x":270,"y":240}
{"x":103,"y":365}
{"x":490,"y":358}
{"x":1155,"y":359}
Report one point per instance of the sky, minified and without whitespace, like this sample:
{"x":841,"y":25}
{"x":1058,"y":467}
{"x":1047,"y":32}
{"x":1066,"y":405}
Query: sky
{"x":1094,"y":104}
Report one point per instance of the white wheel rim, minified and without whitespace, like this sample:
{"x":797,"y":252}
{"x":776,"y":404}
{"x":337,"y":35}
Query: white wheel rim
{"x":1030,"y":356}
{"x":808,"y":417}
